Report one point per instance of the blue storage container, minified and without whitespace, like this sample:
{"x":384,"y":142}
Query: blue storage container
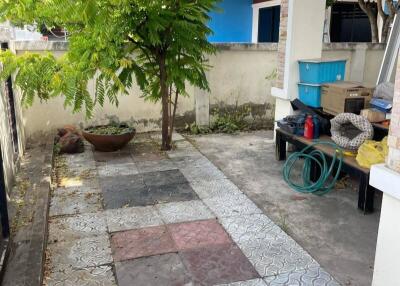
{"x":319,"y":71}
{"x":310,"y":94}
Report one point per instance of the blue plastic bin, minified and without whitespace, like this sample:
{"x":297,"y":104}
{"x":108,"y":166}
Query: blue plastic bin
{"x":310,"y":94}
{"x":319,"y":71}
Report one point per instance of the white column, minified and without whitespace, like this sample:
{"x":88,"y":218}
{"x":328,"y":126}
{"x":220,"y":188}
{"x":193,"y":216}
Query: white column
{"x":304,"y":35}
{"x":357,"y":65}
{"x":386,"y":177}
{"x":202,"y":107}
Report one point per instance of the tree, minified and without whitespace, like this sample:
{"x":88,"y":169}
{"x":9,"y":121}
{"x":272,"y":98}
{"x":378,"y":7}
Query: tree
{"x":387,"y":19}
{"x":373,"y":9}
{"x":161,"y":44}
{"x":369,"y":7}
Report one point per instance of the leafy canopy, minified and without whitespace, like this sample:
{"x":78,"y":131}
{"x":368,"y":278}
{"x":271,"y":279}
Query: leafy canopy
{"x":116,"y":42}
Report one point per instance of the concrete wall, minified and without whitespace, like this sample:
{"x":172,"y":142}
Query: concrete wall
{"x":363,"y":59}
{"x":242,"y":74}
{"x":238,"y":75}
{"x":239,"y":78}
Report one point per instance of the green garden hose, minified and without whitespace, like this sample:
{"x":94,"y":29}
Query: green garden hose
{"x":327,"y":180}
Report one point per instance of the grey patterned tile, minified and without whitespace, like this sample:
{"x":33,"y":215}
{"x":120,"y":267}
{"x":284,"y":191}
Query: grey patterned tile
{"x":90,"y":182}
{"x":194,"y":160}
{"x":155,"y":166}
{"x":118,"y":157}
{"x":76,"y":189}
{"x":160,"y":270}
{"x":226,"y":206}
{"x":163,"y":178}
{"x":122,"y":191}
{"x":215,"y":188}
{"x":182,"y":151}
{"x":96,"y":276}
{"x":74,"y":201}
{"x":253,"y":282}
{"x":83,"y":170}
{"x":250,"y":228}
{"x":75,"y":227}
{"x":277,"y":255}
{"x":132,"y":218}
{"x":72,"y":159}
{"x":86,"y":252}
{"x":268,"y":248}
{"x":184,"y":211}
{"x":106,"y":170}
{"x":172,"y":193}
{"x":314,"y":276}
{"x":204,"y":172}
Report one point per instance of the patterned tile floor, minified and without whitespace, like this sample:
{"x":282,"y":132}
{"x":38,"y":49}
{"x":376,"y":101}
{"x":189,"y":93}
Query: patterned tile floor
{"x":151,"y":218}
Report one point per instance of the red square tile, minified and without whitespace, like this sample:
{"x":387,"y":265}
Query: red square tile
{"x":191,"y":235}
{"x":141,"y":242}
{"x":218,"y":265}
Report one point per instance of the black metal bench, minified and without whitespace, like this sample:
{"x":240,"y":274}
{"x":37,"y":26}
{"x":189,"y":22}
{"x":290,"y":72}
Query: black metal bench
{"x":350,"y":166}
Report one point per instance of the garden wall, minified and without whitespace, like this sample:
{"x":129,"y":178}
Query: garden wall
{"x":242,"y":75}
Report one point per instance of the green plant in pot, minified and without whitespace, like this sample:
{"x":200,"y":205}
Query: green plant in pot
{"x":108,"y":138}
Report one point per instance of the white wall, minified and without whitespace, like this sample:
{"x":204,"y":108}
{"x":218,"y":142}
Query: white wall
{"x":239,"y":74}
{"x":387,"y":262}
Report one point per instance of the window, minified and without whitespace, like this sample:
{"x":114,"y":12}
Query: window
{"x":266,"y":21}
{"x":268,"y":24}
{"x":349,"y":23}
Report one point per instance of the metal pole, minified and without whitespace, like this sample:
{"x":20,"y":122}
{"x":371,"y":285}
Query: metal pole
{"x":5,"y":225}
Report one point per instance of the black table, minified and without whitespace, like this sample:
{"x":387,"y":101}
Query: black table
{"x":350,"y":166}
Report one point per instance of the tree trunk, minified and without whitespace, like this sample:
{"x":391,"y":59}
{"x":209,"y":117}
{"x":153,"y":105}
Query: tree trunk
{"x":165,"y":145}
{"x":374,"y":29}
{"x":372,"y":17}
{"x":172,"y":119}
{"x":385,"y":30}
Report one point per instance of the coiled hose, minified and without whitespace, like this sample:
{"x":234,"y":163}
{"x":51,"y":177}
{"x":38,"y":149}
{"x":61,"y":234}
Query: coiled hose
{"x":325,"y":182}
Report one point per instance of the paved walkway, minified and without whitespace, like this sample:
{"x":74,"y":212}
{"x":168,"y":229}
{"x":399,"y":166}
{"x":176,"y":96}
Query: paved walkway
{"x":330,"y":227}
{"x":142,"y":217}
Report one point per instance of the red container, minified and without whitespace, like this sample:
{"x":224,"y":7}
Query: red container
{"x":309,"y":128}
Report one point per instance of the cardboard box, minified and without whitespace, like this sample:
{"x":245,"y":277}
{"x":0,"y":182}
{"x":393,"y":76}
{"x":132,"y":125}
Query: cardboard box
{"x":345,"y":96}
{"x":373,"y":115}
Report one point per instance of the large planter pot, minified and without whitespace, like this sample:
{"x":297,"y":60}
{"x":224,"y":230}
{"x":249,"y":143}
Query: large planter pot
{"x":108,"y":143}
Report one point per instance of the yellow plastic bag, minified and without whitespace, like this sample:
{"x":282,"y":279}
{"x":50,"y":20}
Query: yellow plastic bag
{"x":372,"y":152}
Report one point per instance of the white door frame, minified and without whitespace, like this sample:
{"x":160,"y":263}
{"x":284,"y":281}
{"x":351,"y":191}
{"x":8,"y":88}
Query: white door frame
{"x":256,"y":12}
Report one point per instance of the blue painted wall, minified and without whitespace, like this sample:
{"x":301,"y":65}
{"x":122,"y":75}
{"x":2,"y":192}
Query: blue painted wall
{"x":233,"y":23}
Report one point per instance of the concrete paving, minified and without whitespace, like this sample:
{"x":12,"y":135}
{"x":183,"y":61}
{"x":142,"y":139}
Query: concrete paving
{"x":331,"y":228}
{"x":165,"y":219}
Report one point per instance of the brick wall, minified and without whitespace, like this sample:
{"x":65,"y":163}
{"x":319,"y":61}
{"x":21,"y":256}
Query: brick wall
{"x":394,"y":134}
{"x":282,"y":43}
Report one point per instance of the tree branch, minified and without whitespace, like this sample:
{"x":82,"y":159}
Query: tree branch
{"x":392,"y":8}
{"x":380,"y":10}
